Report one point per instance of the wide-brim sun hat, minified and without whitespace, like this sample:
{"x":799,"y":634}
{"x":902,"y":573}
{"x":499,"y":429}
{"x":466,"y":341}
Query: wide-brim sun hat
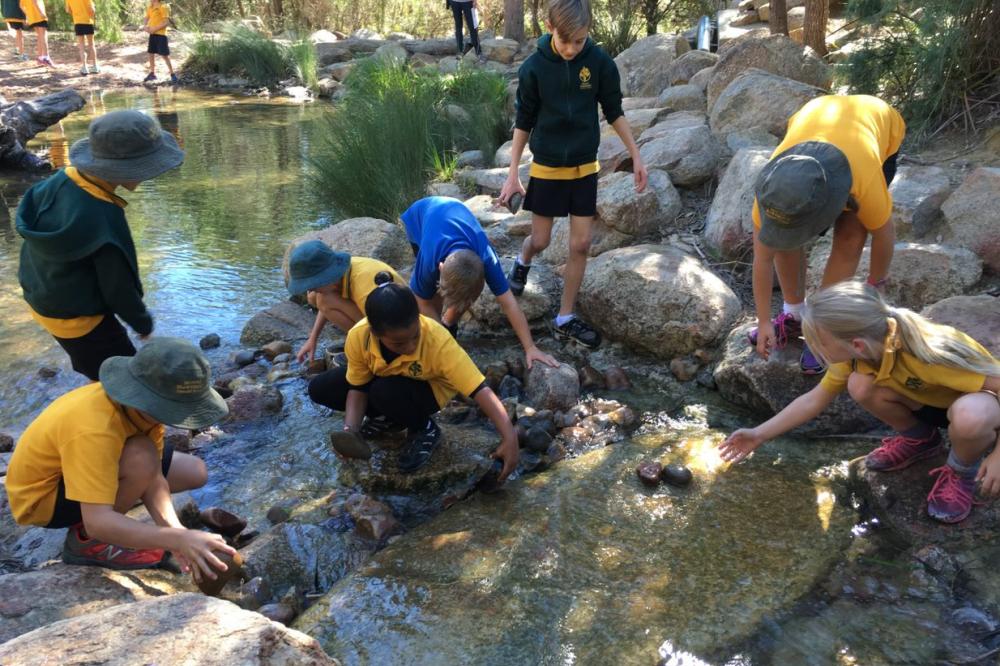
{"x":801,"y":193}
{"x":314,"y":264}
{"x":169,"y":379}
{"x":126,"y":146}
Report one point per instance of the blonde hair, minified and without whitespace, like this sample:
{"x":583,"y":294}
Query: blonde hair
{"x":569,"y":17}
{"x":854,"y":310}
{"x":462,"y":279}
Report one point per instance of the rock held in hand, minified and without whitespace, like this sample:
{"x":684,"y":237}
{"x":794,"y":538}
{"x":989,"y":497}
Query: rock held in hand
{"x":676,"y":475}
{"x":222,"y":522}
{"x":234,"y":569}
{"x":649,"y":472}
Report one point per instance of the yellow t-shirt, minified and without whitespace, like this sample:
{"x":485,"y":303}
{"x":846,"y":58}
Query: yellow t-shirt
{"x":438,"y":360}
{"x":79,"y":439}
{"x":360,"y":280}
{"x":78,"y":327}
{"x":868,"y":131}
{"x":157,"y":15}
{"x":32,"y":15}
{"x":933,"y":385}
{"x":80,"y":11}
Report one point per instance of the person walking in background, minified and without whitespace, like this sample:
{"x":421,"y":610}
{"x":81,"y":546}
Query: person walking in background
{"x":83,"y":13}
{"x":466,"y":8}
{"x":12,"y":14}
{"x":37,"y":20}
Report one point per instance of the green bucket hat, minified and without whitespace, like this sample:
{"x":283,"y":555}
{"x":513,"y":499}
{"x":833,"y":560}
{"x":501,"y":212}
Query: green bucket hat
{"x":801,"y":193}
{"x":313,"y":264}
{"x":169,"y":379}
{"x":126,"y":146}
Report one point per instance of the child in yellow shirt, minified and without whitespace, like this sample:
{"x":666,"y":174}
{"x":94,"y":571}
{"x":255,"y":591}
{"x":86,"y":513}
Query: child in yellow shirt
{"x":36,"y":19}
{"x":157,"y":19}
{"x":82,"y":12}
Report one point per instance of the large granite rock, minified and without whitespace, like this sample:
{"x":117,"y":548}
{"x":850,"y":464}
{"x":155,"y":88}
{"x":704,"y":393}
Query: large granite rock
{"x":973,"y":216}
{"x":180,"y":629}
{"x":776,"y":54}
{"x":361,"y":236}
{"x":583,"y":560}
{"x":757,"y":99}
{"x":729,"y":225}
{"x":603,"y":238}
{"x":689,"y":154}
{"x":658,"y":299}
{"x":977,"y":316}
{"x":539,"y":299}
{"x":644,"y":67}
{"x":683,"y":97}
{"x":638,"y":214}
{"x":553,"y":388}
{"x":688,"y":64}
{"x":920,"y":274}
{"x":611,"y":153}
{"x":284,"y":321}
{"x":766,"y":386}
{"x":500,"y":50}
{"x":917,"y":194}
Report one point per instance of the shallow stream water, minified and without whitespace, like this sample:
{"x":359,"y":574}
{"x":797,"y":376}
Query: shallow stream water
{"x":756,"y":565}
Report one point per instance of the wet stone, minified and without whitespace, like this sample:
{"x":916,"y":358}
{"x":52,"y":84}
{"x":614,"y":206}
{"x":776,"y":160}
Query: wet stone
{"x":278,"y":514}
{"x":244,"y":538}
{"x":490,"y":482}
{"x":283,"y":358}
{"x":616,"y":379}
{"x":234,"y":570}
{"x":591,"y":378}
{"x":316,"y":366}
{"x":684,"y":368}
{"x":210,"y":341}
{"x":253,"y":594}
{"x":649,"y":473}
{"x":244,"y":358}
{"x":223,"y":522}
{"x":676,"y":475}
{"x":276,"y":348}
{"x":494,"y":373}
{"x":510,"y":387}
{"x":516,"y":368}
{"x":277,"y":612}
{"x":538,"y":439}
{"x":530,"y":461}
{"x":6,"y":443}
{"x":45,"y":372}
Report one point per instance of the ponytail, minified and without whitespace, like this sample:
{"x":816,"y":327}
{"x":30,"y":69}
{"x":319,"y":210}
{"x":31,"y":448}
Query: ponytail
{"x":390,"y":306}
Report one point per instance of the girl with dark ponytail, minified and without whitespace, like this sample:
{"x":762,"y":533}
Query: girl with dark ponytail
{"x":402,"y":368}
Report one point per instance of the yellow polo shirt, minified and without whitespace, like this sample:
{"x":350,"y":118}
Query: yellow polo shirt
{"x":438,"y":360}
{"x":868,"y":131}
{"x":933,"y":385}
{"x":80,"y":11}
{"x":78,"y":327}
{"x":359,"y":281}
{"x":32,"y":15}
{"x":79,"y":439}
{"x":157,"y":15}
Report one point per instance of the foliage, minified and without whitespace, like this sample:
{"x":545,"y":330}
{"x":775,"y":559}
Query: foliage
{"x":111,"y":15}
{"x":243,"y":52}
{"x":936,"y":61}
{"x":397,"y":129}
{"x":302,"y":56}
{"x":617,"y":24}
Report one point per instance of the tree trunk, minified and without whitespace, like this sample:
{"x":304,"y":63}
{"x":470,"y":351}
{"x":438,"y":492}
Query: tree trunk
{"x":651,"y":12}
{"x":513,"y":19}
{"x":536,"y":28}
{"x":817,"y":12}
{"x":779,"y":17}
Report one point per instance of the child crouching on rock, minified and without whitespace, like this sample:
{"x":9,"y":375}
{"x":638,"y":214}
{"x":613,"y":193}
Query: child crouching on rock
{"x":402,"y":368}
{"x":914,"y":375}
{"x":94,"y":452}
{"x":335,"y":283}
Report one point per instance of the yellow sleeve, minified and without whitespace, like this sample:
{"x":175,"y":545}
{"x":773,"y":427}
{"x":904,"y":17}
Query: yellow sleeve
{"x":454,"y":364}
{"x":755,"y":214}
{"x":835,"y":378}
{"x":90,"y":467}
{"x":358,"y":371}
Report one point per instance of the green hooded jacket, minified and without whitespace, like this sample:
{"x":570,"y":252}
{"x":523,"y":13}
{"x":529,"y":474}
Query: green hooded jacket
{"x":557,"y":102}
{"x":78,"y":258}
{"x":11,"y":9}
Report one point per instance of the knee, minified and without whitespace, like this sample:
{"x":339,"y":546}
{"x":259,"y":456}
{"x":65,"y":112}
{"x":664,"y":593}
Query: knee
{"x":969,"y":420}
{"x":861,"y":387}
{"x":139,"y":458}
{"x":849,"y":239}
{"x":540,"y":240}
{"x":579,"y":245}
{"x":198,"y":473}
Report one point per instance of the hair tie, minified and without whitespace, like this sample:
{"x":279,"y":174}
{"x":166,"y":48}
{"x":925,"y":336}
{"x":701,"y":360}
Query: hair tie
{"x":384,"y":284}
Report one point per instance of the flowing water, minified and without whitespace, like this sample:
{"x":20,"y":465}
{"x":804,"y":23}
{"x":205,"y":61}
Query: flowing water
{"x":763,"y":564}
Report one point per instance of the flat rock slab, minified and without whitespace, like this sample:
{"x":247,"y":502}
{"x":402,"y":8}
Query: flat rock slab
{"x":584,"y":564}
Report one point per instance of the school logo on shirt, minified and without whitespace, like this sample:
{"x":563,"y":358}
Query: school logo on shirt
{"x":416,"y":369}
{"x":914,"y":384}
{"x":585,"y":78}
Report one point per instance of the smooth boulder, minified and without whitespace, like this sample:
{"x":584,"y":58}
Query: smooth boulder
{"x":683,"y":97}
{"x":759,"y":99}
{"x":363,"y":237}
{"x":917,"y":194}
{"x":729,"y":225}
{"x":688,"y":64}
{"x":973,"y":216}
{"x":637,"y":213}
{"x":977,"y":316}
{"x":644,"y":67}
{"x":553,"y":388}
{"x":283,"y":321}
{"x":540,"y":297}
{"x":689,"y":154}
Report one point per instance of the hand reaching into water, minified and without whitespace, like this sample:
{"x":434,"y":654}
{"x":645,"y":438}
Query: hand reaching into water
{"x":307,"y":352}
{"x":739,"y":445}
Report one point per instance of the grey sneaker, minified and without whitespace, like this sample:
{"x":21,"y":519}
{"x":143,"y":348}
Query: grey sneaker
{"x":518,"y":277}
{"x":578,"y":331}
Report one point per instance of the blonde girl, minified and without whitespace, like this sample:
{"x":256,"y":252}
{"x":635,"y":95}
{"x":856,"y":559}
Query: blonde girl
{"x":914,"y":375}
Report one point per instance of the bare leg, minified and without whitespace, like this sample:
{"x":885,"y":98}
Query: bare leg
{"x":538,"y":240}
{"x":152,"y":64}
{"x":138,"y":467}
{"x":849,"y":237}
{"x":885,"y":404}
{"x":576,"y":262}
{"x":92,"y":50}
{"x":19,"y":40}
{"x":975,"y":426}
{"x":186,"y":472}
{"x":170,"y":67}
{"x":81,"y":50}
{"x":790,"y":266}
{"x":43,"y":41}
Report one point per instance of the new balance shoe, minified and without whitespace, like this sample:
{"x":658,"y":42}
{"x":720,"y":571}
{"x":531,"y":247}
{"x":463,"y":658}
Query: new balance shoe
{"x":80,"y":549}
{"x":951,"y":498}
{"x":419,"y":447}
{"x":898,"y":452}
{"x":786,"y":327}
{"x":518,"y":277}
{"x":578,"y":331}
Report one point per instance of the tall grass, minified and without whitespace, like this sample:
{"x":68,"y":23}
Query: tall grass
{"x":391,"y":135}
{"x":302,"y":56}
{"x":245,"y":53}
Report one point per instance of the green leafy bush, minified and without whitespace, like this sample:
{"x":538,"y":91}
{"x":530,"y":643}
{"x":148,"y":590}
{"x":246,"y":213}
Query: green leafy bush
{"x":245,"y":53}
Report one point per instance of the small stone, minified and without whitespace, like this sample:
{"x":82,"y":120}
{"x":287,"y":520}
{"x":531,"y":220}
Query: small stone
{"x":490,"y":482}
{"x":510,"y":387}
{"x":373,"y":520}
{"x":225,"y":523}
{"x":555,"y":453}
{"x":210,"y":341}
{"x":178,"y":438}
{"x":624,"y":417}
{"x":276,"y":348}
{"x":6,"y":443}
{"x":278,"y":514}
{"x":649,"y":472}
{"x":45,"y":372}
{"x":616,"y":379}
{"x":316,"y":366}
{"x":254,"y":593}
{"x":283,"y":358}
{"x":676,"y":475}
{"x":494,"y":373}
{"x":244,"y":537}
{"x":538,"y":439}
{"x":516,"y":368}
{"x":553,"y":388}
{"x":234,"y":569}
{"x":277,"y":613}
{"x":244,"y":358}
{"x":592,"y":378}
{"x":703,"y":356}
{"x":684,"y":368}
{"x":530,"y":461}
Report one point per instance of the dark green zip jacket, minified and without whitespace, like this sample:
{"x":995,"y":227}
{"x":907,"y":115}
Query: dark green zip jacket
{"x":11,"y":9}
{"x":78,"y":258}
{"x":557,"y":102}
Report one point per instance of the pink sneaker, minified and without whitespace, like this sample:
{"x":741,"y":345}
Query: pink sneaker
{"x":950,"y":500}
{"x":786,"y":327}
{"x":45,"y":60}
{"x":898,"y":452}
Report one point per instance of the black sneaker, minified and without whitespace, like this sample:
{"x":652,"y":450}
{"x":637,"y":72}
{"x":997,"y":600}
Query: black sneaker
{"x":419,"y":447}
{"x":579,"y":331}
{"x":518,"y":277}
{"x":379,"y":426}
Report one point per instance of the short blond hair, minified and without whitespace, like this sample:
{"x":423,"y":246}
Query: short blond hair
{"x":568,"y":17}
{"x":462,"y":279}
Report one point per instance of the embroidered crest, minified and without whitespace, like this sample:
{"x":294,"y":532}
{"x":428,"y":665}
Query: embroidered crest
{"x":914,"y":384}
{"x":585,"y":78}
{"x":416,"y":369}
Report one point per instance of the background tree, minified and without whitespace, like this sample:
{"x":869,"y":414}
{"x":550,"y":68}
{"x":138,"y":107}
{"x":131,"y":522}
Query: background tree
{"x":513,"y":19}
{"x":817,"y":13}
{"x":779,"y":17}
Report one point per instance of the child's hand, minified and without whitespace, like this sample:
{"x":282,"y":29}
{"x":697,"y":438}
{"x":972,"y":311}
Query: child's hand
{"x":512,"y":185}
{"x":509,"y":454}
{"x":306,"y":351}
{"x":535,"y":354}
{"x":196,"y":552}
{"x":640,"y":174}
{"x":765,"y":338}
{"x":989,"y":474}
{"x":739,"y":445}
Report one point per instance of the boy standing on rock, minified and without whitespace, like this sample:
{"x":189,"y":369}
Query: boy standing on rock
{"x":833,"y":169}
{"x":78,"y":264}
{"x":559,"y":89}
{"x":97,"y":450}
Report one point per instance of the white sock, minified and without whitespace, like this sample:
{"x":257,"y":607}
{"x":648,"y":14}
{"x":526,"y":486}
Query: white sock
{"x":561,"y":320}
{"x":520,"y":260}
{"x":794,"y":310}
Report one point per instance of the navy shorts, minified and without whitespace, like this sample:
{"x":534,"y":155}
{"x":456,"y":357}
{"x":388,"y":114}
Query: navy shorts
{"x":87,"y":352}
{"x":559,"y":198}
{"x":933,"y":416}
{"x":15,"y":25}
{"x":82,"y":29}
{"x":158,"y":45}
{"x":40,"y":24}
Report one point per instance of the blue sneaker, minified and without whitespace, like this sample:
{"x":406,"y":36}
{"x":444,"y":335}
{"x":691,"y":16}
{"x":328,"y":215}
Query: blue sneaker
{"x":809,"y":362}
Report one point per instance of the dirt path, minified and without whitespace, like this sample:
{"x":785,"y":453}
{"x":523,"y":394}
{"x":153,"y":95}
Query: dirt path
{"x":122,"y":65}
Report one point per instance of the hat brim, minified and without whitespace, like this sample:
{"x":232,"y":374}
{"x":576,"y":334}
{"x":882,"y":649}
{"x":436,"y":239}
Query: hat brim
{"x":133,"y":169}
{"x":123,"y":387}
{"x":329,"y":275}
{"x":808,"y":227}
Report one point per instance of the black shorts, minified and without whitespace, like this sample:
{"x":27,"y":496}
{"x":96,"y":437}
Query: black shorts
{"x":158,"y":45}
{"x":82,"y":29}
{"x":40,"y":24}
{"x":933,"y":416}
{"x":87,"y":352}
{"x":15,"y":25}
{"x":889,"y":169}
{"x":67,"y":512}
{"x":559,"y":198}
